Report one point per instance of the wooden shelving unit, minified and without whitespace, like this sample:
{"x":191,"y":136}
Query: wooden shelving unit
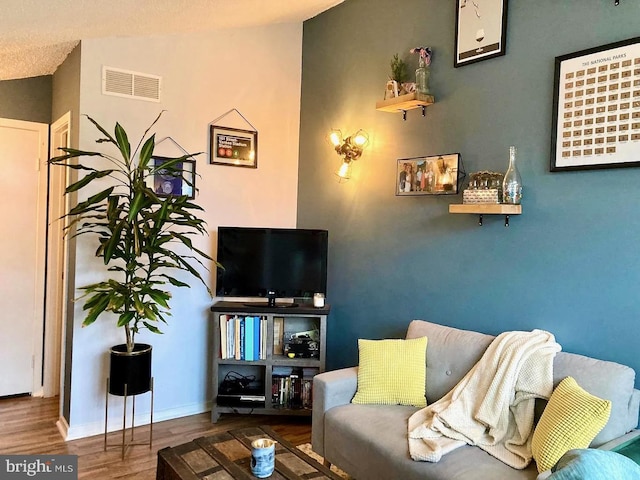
{"x":404,"y":103}
{"x":302,"y":317}
{"x":487,"y":209}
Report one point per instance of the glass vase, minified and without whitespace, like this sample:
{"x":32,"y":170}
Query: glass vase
{"x":422,"y":77}
{"x":512,"y":183}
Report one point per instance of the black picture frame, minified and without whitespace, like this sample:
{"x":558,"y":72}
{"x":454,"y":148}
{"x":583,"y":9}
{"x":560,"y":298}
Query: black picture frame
{"x":233,"y":147}
{"x":481,"y":31}
{"x":596,"y":108}
{"x":178,"y":180}
{"x":429,"y":175}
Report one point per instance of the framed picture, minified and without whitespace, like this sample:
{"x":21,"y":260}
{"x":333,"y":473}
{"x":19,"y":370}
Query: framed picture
{"x":481,"y":30}
{"x":178,"y":178}
{"x":231,"y":146}
{"x":596,"y":108}
{"x":437,"y":175}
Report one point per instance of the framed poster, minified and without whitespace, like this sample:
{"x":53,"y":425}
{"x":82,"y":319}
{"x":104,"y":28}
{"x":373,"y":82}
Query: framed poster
{"x":174,"y":179}
{"x":481,"y":30}
{"x":231,"y":146}
{"x":596,"y":108}
{"x":436,"y":175}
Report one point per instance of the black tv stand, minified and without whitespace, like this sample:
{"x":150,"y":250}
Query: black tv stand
{"x":271,"y":305}
{"x":272,"y":369}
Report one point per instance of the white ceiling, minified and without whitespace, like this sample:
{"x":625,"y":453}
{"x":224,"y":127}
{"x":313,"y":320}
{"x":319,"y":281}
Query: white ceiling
{"x":37,"y":35}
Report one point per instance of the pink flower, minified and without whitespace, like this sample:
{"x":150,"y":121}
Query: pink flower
{"x":425,"y":54}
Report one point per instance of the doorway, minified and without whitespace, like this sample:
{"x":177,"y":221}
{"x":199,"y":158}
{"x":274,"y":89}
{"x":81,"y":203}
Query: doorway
{"x":57,"y":248}
{"x":23,"y":184}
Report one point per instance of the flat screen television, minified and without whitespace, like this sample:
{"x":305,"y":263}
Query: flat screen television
{"x":271,"y":263}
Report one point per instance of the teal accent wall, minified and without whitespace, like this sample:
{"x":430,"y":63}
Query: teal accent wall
{"x":570,"y":264}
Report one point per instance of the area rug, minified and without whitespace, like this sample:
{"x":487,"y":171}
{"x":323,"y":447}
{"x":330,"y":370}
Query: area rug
{"x":306,"y":448}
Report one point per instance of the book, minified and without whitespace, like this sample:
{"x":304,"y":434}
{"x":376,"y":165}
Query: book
{"x":241,"y":339}
{"x":256,"y":338}
{"x":236,"y":340}
{"x":278,"y":330}
{"x":223,"y":336}
{"x":248,"y":339}
{"x":263,"y":338}
{"x":231,"y":337}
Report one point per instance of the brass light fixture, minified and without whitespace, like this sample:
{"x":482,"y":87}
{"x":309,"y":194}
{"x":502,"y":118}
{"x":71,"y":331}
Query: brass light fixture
{"x":349,"y":149}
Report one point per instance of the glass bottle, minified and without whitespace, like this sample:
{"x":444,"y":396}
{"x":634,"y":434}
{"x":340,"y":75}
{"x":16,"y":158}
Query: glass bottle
{"x":422,"y":77}
{"x":512,"y":183}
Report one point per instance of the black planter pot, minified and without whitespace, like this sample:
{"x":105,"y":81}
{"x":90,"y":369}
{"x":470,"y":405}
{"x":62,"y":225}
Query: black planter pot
{"x":130,"y":369}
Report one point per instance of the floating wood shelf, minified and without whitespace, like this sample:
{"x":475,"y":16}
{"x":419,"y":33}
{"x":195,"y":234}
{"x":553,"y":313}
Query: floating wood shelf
{"x":487,"y":209}
{"x":404,"y":103}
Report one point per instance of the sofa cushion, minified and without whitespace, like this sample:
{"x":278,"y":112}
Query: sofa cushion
{"x":370,"y":442}
{"x":451,"y":354}
{"x":571,"y":419}
{"x":392,"y":372}
{"x":607,"y":380}
{"x":589,"y":464}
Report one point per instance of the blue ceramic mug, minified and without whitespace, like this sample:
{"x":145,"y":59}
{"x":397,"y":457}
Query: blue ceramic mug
{"x":263,"y":457}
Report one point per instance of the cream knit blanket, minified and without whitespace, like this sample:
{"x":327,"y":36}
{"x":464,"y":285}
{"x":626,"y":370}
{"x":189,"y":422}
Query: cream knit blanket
{"x":492,"y":406}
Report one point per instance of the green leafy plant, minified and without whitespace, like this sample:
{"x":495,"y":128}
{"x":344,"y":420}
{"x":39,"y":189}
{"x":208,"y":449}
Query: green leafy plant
{"x":398,"y":69}
{"x":137,"y":231}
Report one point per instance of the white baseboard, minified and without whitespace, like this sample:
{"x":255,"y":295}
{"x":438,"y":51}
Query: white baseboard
{"x":63,"y":427}
{"x":74,"y":432}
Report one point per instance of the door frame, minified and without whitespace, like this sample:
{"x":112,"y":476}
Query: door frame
{"x":57,"y":253}
{"x":42,"y":129}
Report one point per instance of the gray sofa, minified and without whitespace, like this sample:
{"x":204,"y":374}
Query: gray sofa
{"x":370,"y":441}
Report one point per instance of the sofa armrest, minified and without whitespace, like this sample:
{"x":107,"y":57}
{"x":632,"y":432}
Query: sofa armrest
{"x":634,"y":410}
{"x":330,"y":389}
{"x":616,"y":442}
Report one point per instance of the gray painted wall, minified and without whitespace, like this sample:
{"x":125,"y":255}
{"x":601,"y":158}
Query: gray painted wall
{"x":570,"y":264}
{"x":66,"y":92}
{"x":66,"y":98}
{"x":27,"y":99}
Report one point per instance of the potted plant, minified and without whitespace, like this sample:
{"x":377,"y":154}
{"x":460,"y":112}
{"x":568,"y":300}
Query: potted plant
{"x":397,"y":84}
{"x":143,"y":239}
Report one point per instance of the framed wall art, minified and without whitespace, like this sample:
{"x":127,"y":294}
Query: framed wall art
{"x":178,"y":178}
{"x":436,"y":175}
{"x":234,"y":147}
{"x":596,"y":108}
{"x":481,"y":30}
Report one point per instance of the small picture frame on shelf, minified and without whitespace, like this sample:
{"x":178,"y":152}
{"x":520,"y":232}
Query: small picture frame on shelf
{"x":172,"y":178}
{"x":434,"y":175}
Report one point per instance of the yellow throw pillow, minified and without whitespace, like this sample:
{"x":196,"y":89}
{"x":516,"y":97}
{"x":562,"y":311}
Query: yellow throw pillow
{"x":572,"y":419}
{"x":392,"y":372}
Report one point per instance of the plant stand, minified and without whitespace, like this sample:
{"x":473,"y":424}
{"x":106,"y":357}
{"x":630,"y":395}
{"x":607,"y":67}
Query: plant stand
{"x":126,"y":444}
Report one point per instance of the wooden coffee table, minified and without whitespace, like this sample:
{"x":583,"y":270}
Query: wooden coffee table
{"x":227,"y":456}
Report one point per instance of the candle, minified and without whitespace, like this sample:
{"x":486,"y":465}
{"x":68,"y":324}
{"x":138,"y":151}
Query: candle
{"x":318,"y":300}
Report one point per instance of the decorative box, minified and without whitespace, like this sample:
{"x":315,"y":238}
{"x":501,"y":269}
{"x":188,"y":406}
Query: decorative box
{"x":489,"y":195}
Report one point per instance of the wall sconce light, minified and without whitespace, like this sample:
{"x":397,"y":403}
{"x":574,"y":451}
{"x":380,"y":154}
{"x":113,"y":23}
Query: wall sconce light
{"x":350,"y":149}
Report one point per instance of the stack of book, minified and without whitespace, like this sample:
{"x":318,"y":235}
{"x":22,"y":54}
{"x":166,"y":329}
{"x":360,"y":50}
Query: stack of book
{"x":243,"y":337}
{"x":292,"y":391}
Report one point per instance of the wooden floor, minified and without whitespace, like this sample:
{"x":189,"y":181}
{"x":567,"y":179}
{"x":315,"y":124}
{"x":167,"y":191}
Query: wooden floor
{"x":28,"y":426}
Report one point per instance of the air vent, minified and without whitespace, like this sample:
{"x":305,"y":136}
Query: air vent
{"x":125,"y":83}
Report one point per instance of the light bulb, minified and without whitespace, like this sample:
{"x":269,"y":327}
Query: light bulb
{"x":335,"y":137}
{"x":360,"y":138}
{"x":345,"y":171}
